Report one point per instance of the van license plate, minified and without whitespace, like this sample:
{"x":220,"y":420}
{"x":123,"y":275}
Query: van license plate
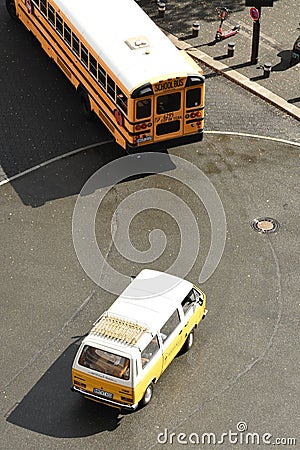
{"x":103,"y":393}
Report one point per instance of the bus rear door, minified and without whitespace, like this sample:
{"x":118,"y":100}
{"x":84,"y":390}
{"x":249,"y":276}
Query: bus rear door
{"x":168,"y":109}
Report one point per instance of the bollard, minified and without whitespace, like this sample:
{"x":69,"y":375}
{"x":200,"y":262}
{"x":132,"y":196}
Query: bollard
{"x":195,"y":29}
{"x":230,"y":49}
{"x":267,"y":69}
{"x":161,"y":9}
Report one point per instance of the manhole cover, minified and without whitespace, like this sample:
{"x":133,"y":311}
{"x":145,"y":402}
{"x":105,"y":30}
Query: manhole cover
{"x":265,"y":225}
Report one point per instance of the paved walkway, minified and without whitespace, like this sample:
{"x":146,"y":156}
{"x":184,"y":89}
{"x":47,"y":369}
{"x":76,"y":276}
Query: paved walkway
{"x":278,"y":31}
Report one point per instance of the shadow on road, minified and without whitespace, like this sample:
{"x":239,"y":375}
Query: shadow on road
{"x":294,"y":100}
{"x":66,"y":177}
{"x":284,"y":64}
{"x":50,"y":408}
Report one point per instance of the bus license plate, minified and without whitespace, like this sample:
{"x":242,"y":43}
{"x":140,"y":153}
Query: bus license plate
{"x":103,"y":393}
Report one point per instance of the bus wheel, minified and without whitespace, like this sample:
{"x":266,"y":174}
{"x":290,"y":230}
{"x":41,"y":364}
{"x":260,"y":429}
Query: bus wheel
{"x":147,"y":396}
{"x":11,"y":8}
{"x":189,"y":342}
{"x":86,"y":105}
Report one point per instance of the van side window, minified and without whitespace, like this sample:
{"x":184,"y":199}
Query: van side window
{"x":170,"y":325}
{"x":149,"y":351}
{"x":192,"y":297}
{"x":197,"y":297}
{"x":188,"y":302}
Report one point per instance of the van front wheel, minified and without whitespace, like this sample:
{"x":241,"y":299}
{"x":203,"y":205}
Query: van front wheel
{"x":147,"y":396}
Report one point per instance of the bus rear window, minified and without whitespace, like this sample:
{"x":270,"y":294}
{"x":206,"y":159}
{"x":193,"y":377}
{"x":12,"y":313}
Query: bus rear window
{"x":143,"y":108}
{"x":193,"y":98}
{"x":168,"y":103}
{"x":105,"y":362}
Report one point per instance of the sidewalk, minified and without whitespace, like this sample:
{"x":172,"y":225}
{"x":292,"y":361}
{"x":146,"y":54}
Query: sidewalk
{"x":278,"y":31}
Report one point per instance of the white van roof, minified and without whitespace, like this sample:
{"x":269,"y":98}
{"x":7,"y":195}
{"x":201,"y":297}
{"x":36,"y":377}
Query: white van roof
{"x":142,"y":308}
{"x":151,"y":298}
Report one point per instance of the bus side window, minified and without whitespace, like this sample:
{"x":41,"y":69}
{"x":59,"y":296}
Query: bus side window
{"x":121,"y":100}
{"x":84,"y":55}
{"x":101,"y":76}
{"x":170,"y":325}
{"x":59,"y":24}
{"x":44,"y":7}
{"x":67,"y":34}
{"x":75,"y":44}
{"x":93,"y":66}
{"x":143,"y":108}
{"x":149,"y":351}
{"x":51,"y":15}
{"x":193,"y":98}
{"x":111,"y":87}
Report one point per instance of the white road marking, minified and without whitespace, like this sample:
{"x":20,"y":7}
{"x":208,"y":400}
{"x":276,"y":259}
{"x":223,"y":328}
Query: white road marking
{"x":57,"y":158}
{"x":88,"y":147}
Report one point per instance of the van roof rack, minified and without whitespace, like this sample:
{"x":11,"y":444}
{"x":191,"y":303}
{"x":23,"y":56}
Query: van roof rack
{"x":119,"y":329}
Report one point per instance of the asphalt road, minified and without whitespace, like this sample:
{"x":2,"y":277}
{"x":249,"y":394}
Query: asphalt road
{"x":41,"y":116}
{"x":244,"y":363}
{"x":243,"y":366}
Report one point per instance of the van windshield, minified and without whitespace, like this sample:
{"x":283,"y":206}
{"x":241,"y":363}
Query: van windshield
{"x":105,"y":362}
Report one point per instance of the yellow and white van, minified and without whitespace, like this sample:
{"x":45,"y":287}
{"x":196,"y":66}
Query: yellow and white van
{"x":135,"y":340}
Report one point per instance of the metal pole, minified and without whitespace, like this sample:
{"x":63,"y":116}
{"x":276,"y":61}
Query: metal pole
{"x":255,"y":38}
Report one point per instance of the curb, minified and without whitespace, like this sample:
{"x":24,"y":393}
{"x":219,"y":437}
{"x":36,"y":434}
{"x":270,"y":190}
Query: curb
{"x":237,"y":78}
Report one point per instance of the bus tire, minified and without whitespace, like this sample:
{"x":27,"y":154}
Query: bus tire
{"x":11,"y":8}
{"x":86,"y":105}
{"x":147,"y":395}
{"x":188,"y":342}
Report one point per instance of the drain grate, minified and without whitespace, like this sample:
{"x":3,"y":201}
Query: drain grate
{"x":265,"y":225}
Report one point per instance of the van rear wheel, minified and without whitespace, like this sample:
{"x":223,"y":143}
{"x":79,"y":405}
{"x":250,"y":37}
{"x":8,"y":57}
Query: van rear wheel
{"x":147,"y":395}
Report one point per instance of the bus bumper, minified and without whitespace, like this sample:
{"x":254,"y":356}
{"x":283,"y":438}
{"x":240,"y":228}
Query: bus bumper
{"x":164,"y":145}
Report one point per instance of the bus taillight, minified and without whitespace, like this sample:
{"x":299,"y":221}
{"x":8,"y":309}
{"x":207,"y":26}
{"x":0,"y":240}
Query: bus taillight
{"x":142,"y":126}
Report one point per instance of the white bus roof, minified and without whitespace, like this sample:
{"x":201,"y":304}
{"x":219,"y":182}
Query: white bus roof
{"x":151,"y":298}
{"x":107,"y":25}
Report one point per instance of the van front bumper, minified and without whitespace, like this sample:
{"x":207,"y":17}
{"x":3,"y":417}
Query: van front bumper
{"x":105,"y":401}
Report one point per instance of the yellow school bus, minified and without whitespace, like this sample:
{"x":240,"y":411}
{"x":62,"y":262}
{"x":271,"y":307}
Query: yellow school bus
{"x":126,"y":71}
{"x":135,"y":340}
